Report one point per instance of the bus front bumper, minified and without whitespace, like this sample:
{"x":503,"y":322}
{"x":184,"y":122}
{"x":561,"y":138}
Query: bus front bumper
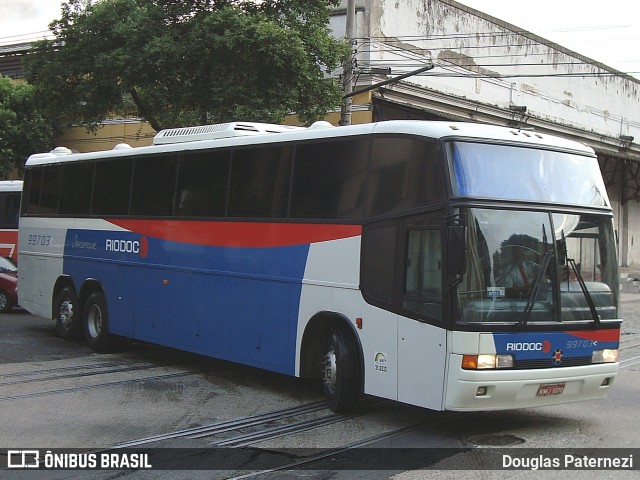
{"x":482,"y":390}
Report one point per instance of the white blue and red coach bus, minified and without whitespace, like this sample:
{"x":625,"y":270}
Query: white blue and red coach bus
{"x":448,"y":265}
{"x":10,"y":192}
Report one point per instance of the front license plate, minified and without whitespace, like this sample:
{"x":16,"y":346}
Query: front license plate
{"x":552,"y":389}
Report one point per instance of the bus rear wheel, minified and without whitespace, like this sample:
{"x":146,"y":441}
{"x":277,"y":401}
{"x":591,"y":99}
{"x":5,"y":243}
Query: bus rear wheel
{"x":67,"y":315}
{"x":96,"y":323}
{"x":340,"y":372}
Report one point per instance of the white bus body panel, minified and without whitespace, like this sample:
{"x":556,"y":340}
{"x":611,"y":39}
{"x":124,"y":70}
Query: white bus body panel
{"x":40,"y":251}
{"x":422,"y":353}
{"x":404,"y":359}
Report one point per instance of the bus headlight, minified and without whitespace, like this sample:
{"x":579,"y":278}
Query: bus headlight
{"x":608,"y":355}
{"x":486,"y":362}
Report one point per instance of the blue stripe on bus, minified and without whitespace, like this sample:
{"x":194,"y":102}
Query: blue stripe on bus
{"x":243,"y":302}
{"x":542,"y":345}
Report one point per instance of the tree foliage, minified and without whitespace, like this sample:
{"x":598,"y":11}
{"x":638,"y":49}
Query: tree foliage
{"x":23,"y":129}
{"x":177,"y":63}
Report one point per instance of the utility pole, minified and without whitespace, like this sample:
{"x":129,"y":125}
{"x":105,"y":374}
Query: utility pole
{"x":347,"y":75}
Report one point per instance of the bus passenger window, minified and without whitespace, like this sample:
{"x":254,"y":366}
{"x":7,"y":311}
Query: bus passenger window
{"x":11,"y":210}
{"x":42,"y":196}
{"x":260,"y":179}
{"x":112,"y":186}
{"x":403,"y":175}
{"x":154,"y":179}
{"x":328,"y":179}
{"x":202,"y":184}
{"x":76,"y":200}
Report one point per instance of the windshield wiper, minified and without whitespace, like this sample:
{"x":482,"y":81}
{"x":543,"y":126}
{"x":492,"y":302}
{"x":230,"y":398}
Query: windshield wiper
{"x":585,"y":292}
{"x":537,"y":283}
{"x":572,"y":263}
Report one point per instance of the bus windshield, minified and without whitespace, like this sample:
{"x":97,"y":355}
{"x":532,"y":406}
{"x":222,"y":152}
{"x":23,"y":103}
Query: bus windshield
{"x":519,"y":173}
{"x":533,"y":267}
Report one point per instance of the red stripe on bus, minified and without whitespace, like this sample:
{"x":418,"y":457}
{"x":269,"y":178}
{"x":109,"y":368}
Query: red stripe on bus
{"x":608,"y":335}
{"x":238,"y":234}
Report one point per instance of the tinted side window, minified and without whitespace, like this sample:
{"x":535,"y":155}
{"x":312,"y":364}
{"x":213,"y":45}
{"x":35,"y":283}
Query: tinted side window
{"x":260,"y":179}
{"x":10,"y":210}
{"x":329,"y":179}
{"x":48,"y":203}
{"x":40,"y":188}
{"x":31,"y":190}
{"x":403,"y":175}
{"x":75,"y":194}
{"x":202,"y":184}
{"x":378,"y":265}
{"x":154,"y":180}
{"x":112,"y":186}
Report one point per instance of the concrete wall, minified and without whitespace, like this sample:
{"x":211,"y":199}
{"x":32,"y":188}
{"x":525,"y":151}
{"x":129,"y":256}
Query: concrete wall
{"x":482,"y":59}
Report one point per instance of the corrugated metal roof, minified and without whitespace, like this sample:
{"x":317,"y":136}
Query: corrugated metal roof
{"x":11,"y":59}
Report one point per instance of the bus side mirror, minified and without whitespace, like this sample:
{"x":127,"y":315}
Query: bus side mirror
{"x":456,"y":248}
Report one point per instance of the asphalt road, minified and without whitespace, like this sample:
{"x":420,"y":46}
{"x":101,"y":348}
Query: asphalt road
{"x":56,"y":395}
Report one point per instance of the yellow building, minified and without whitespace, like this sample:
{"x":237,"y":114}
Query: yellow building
{"x":137,"y":133}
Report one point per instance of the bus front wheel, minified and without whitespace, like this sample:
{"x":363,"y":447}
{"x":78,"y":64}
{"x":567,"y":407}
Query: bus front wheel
{"x":96,"y":323}
{"x":340,"y":372}
{"x":67,"y":315}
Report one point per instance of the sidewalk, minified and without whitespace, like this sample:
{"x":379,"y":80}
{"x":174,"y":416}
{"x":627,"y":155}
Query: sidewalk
{"x":629,"y":280}
{"x":629,"y":297}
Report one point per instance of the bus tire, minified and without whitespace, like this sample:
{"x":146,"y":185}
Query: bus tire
{"x":96,"y":323}
{"x":340,"y":372}
{"x":67,"y":314}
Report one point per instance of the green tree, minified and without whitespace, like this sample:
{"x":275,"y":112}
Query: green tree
{"x":178,"y":63}
{"x":23,"y":129}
